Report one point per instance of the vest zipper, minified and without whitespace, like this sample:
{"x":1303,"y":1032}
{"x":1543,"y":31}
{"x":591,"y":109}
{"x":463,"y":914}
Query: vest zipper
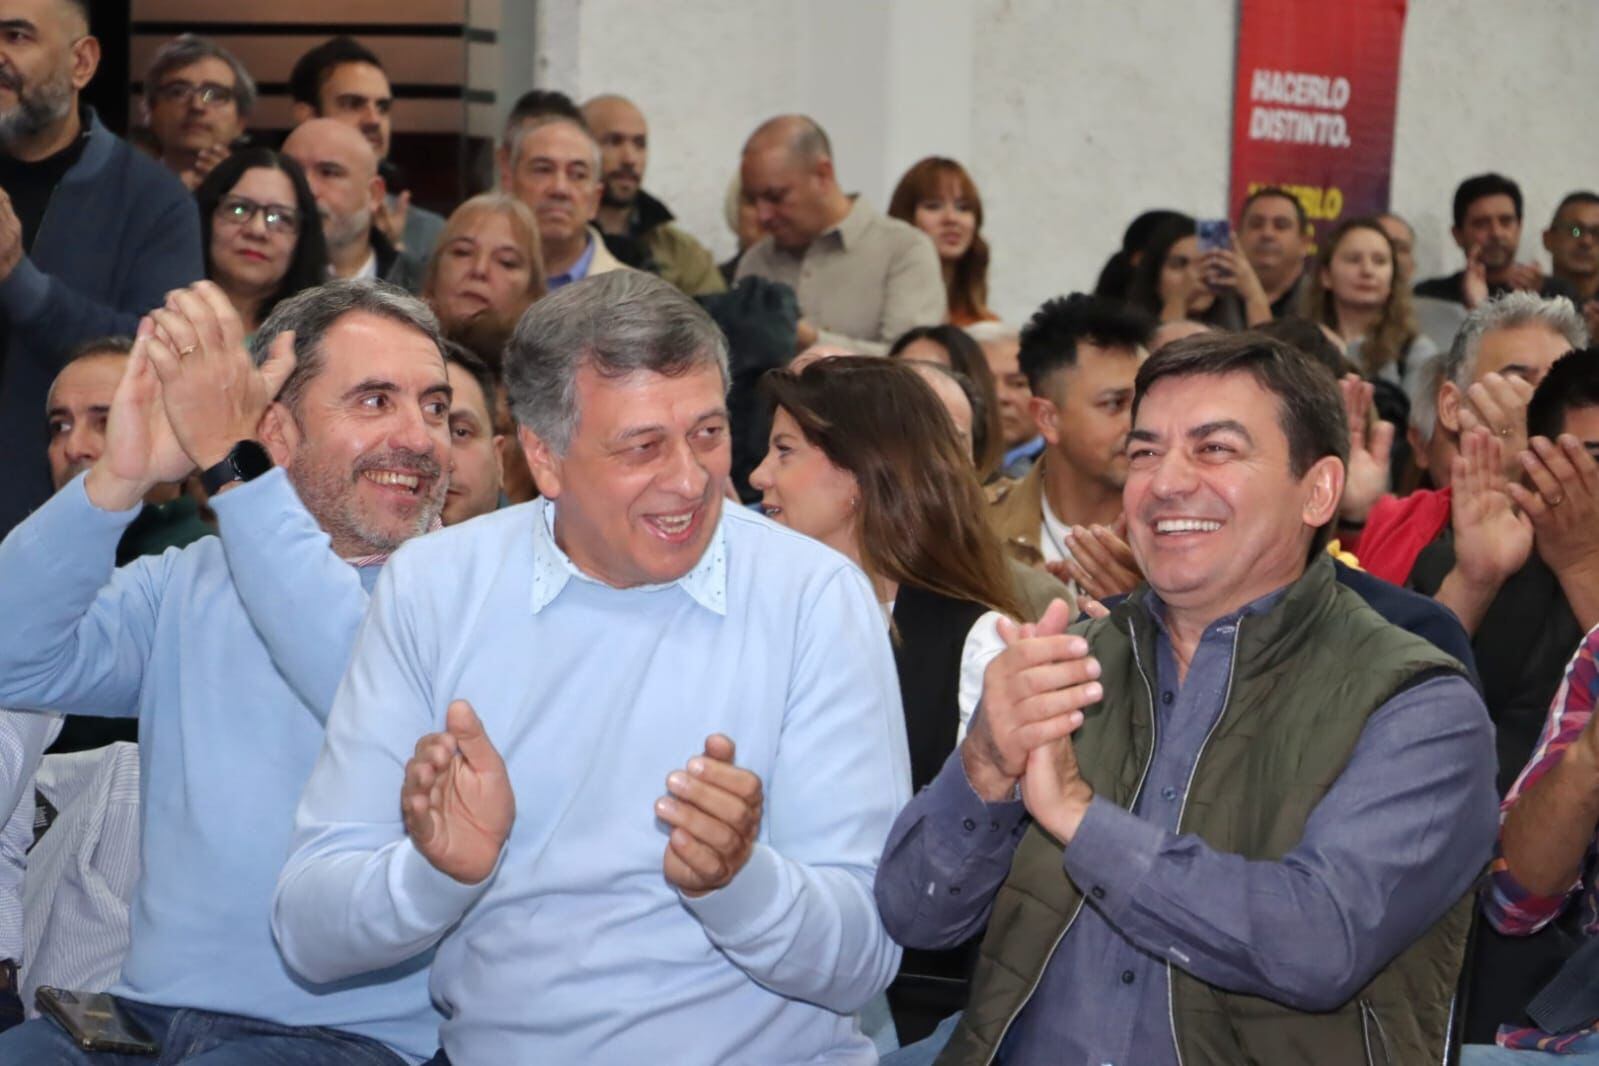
{"x":1232,"y":670}
{"x":1138,"y":790}
{"x":1368,"y":1022}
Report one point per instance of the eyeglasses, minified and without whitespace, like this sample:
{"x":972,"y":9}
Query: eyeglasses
{"x":1578,"y":231}
{"x":210,"y":94}
{"x":238,"y":211}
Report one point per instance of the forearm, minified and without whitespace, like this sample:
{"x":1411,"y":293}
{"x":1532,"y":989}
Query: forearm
{"x":1580,"y":584}
{"x":1548,"y":830}
{"x":945,"y":859}
{"x":1468,"y":599}
{"x":342,"y":909}
{"x":305,"y":602}
{"x":1257,"y":309}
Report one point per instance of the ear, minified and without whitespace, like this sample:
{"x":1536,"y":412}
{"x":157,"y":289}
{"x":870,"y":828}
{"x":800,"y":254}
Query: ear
{"x":1549,"y":239}
{"x":280,"y":434}
{"x":379,"y":189}
{"x":301,"y":112}
{"x":1449,"y":407}
{"x":1046,"y":416}
{"x":824,"y":171}
{"x":1461,"y":238}
{"x":1325,"y":482}
{"x":1418,"y":450}
{"x":542,"y":461}
{"x":85,"y":61}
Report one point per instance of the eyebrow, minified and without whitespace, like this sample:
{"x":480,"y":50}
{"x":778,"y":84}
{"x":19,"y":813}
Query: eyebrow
{"x":379,"y":385}
{"x":1199,"y":432}
{"x":639,"y":431}
{"x":18,"y":24}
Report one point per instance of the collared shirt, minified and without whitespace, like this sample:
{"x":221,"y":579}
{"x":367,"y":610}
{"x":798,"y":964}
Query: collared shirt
{"x":1511,"y":907}
{"x":578,"y":270}
{"x":1398,"y":837}
{"x":861,"y":283}
{"x":576,"y":949}
{"x":229,"y":652}
{"x":23,"y":738}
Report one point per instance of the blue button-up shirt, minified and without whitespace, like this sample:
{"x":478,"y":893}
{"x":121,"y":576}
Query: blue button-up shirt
{"x":1398,"y":838}
{"x":578,"y":270}
{"x":576,"y":950}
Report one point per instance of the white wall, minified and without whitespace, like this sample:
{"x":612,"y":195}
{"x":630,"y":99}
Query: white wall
{"x":1073,"y":116}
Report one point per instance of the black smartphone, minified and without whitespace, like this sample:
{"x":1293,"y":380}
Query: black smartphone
{"x":1214,"y":234}
{"x":95,"y":1021}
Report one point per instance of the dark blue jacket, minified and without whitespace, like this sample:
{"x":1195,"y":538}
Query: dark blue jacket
{"x":120,"y":231}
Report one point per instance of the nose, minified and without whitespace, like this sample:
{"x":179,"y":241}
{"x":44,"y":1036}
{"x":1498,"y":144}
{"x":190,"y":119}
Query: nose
{"x":765,"y":214}
{"x":761,"y":476}
{"x":1173,"y":476}
{"x":411,"y":431}
{"x":479,"y":267}
{"x":83,"y":444}
{"x":257,"y":226}
{"x":684,"y":474}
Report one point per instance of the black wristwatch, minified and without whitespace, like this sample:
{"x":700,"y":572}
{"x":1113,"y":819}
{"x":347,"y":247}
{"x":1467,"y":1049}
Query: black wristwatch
{"x":246,"y":462}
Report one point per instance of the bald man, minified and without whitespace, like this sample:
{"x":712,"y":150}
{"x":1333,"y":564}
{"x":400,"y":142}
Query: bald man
{"x":120,"y":230}
{"x":342,"y":168}
{"x":862,"y":278}
{"x":638,"y":228}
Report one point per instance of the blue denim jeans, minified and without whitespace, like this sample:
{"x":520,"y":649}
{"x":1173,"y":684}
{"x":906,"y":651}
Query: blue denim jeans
{"x":924,"y":1051}
{"x":198,"y":1038}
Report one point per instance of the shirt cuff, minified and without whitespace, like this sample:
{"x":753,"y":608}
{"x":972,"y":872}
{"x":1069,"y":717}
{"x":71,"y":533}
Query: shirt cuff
{"x":74,"y":502}
{"x":745,"y":905}
{"x":1110,"y":855}
{"x":257,"y":500}
{"x":24,"y":291}
{"x":427,"y":897}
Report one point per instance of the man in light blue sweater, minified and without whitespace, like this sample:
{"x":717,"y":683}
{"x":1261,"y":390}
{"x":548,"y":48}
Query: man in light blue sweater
{"x":229,"y":651}
{"x":647,"y":746}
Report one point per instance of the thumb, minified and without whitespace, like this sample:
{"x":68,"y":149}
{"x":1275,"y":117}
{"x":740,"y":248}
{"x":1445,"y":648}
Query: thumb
{"x":719,"y":747}
{"x":1382,"y":441}
{"x":1055,"y":619}
{"x":1010,"y":632}
{"x":280,"y":363}
{"x":462,"y":723}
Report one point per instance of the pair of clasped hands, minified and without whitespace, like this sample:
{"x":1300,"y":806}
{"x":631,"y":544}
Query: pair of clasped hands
{"x":458,"y":806}
{"x":1034,"y":696}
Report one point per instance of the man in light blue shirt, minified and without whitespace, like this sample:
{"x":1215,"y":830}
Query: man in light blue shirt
{"x":229,"y":651}
{"x":565,"y":661}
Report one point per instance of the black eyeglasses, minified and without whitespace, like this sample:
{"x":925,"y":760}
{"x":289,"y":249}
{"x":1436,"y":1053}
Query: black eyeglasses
{"x":210,"y":94}
{"x":239,"y":211}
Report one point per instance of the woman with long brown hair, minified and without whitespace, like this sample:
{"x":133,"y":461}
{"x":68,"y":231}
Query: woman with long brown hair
{"x":864,"y":458}
{"x":939,"y":198}
{"x":1359,"y":291}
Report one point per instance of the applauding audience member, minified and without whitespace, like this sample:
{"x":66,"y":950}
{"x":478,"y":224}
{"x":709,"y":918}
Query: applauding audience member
{"x":1487,"y":214}
{"x":263,"y":238}
{"x":92,"y":232}
{"x":488,"y":263}
{"x":197,"y":100}
{"x":1147,"y":867}
{"x":1357,"y":290}
{"x":862,"y":279}
{"x":257,"y":623}
{"x":938,"y":197}
{"x":703,"y":649}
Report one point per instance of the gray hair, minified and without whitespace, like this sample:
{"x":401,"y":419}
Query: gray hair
{"x":519,"y":136}
{"x":311,"y":313}
{"x":1510,"y":311}
{"x":619,"y":323}
{"x":189,"y":48}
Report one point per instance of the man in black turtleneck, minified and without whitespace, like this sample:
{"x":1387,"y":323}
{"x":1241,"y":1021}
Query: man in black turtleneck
{"x":92,"y":233}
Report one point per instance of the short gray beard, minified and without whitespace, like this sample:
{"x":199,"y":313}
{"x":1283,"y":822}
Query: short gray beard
{"x":329,"y":494}
{"x":38,"y":109}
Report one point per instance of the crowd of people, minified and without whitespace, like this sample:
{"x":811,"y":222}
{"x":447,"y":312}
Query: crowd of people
{"x":513,"y":636}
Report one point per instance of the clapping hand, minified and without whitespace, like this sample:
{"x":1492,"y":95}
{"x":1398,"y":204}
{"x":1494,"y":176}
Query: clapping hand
{"x":1101,"y":561}
{"x":1366,"y":477}
{"x":714,"y":809}
{"x":1492,"y":540}
{"x":1562,"y":503}
{"x":457,"y":800}
{"x":141,"y":450}
{"x":1498,"y":404}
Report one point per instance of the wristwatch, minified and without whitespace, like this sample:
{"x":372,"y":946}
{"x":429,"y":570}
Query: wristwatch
{"x":246,"y":462}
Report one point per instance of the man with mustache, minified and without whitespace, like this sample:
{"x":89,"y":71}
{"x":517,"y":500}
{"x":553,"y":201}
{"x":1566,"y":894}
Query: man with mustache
{"x":1240,"y":818}
{"x":342,"y":170}
{"x":323,"y":448}
{"x":197,"y":100}
{"x":553,"y":165}
{"x":1274,"y":233}
{"x":633,"y":218}
{"x":1487,"y":213}
{"x":92,"y":232}
{"x":1573,"y":243}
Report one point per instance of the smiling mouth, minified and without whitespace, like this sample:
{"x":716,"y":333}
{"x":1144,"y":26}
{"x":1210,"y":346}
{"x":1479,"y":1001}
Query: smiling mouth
{"x":394,"y":479}
{"x":674,"y":528}
{"x":1168,"y":526}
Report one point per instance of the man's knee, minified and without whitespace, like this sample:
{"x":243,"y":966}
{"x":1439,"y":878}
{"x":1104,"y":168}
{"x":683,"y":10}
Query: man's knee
{"x":41,"y":1043}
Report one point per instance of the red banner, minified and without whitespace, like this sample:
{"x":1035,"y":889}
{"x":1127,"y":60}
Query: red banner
{"x":1314,"y":101}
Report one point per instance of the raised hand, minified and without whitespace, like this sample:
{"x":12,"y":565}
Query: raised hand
{"x":214,"y":395}
{"x":1101,"y":562}
{"x":457,"y":800}
{"x":1498,"y":404}
{"x":205,"y":161}
{"x":1366,"y":477}
{"x":714,"y":809}
{"x":141,"y":451}
{"x":1492,"y":541}
{"x":1474,"y":285}
{"x":1527,"y":277}
{"x":1562,"y":504}
{"x":1033,"y":693}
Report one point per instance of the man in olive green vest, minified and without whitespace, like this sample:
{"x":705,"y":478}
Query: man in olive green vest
{"x":1239,"y":819}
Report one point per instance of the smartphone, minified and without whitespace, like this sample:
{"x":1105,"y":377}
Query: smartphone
{"x":95,"y":1021}
{"x":1215,"y":235}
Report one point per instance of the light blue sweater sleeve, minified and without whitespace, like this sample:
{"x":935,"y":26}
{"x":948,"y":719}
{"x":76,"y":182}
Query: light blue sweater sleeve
{"x":78,"y":631}
{"x":356,"y":895}
{"x":306,"y":603}
{"x":800,"y":918}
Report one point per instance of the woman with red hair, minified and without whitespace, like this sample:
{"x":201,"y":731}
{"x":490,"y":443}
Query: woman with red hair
{"x":938,"y":197}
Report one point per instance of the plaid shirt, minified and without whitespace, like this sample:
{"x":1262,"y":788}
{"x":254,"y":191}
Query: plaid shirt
{"x":1510,"y":906}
